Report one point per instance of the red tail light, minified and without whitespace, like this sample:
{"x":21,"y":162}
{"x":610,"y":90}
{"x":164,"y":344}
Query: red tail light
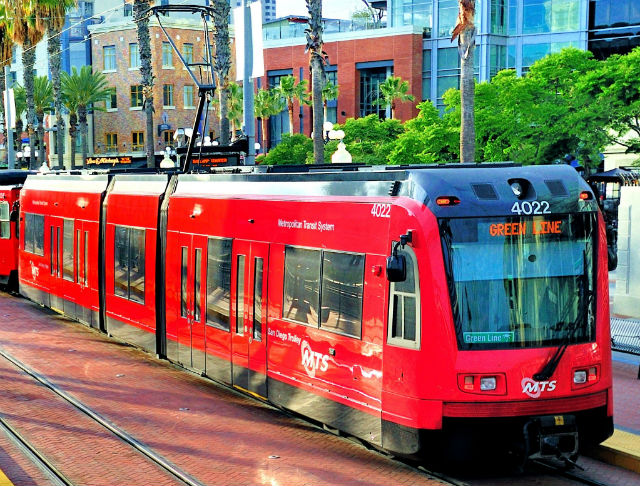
{"x":447,"y":201}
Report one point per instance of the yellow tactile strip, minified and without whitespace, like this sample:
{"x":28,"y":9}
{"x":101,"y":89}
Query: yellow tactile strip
{"x":621,"y":449}
{"x":4,"y":480}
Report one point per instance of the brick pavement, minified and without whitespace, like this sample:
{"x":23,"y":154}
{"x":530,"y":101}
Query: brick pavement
{"x":214,"y":434}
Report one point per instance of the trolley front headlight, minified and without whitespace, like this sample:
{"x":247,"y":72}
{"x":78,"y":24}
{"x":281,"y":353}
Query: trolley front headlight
{"x":490,"y":384}
{"x":585,"y":376}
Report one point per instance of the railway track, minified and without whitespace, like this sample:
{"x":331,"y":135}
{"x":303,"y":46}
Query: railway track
{"x":48,"y":468}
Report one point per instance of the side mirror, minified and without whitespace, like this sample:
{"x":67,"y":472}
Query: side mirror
{"x":396,"y":268}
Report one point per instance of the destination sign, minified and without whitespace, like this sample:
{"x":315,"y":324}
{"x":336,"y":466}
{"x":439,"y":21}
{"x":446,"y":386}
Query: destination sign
{"x":526,"y":228}
{"x":215,"y":160}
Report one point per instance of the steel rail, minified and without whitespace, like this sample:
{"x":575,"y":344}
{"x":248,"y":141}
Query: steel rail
{"x":41,"y":462}
{"x":144,"y":450}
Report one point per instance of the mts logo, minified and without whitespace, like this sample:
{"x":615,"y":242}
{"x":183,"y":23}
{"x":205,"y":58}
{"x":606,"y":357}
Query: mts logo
{"x":535,"y":388}
{"x":312,"y":360}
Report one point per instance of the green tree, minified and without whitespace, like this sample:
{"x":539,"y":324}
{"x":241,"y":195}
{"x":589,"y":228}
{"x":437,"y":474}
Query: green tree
{"x":43,"y":100}
{"x":465,"y":31}
{"x":392,"y":90}
{"x":83,"y":90}
{"x":293,"y":149}
{"x":267,"y":103}
{"x":234,"y":107}
{"x":290,"y":91}
{"x":222,"y":66}
{"x":370,"y":140}
{"x":141,"y":17}
{"x":615,"y":91}
{"x":427,"y":139}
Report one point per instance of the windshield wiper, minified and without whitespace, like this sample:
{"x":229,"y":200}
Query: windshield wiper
{"x":547,"y":371}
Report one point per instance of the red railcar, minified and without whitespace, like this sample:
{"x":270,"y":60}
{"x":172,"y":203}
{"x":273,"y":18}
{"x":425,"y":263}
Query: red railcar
{"x":10,"y":183}
{"x":60,"y":257}
{"x":421,"y":309}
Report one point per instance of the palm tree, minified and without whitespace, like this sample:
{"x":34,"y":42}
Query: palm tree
{"x":329,"y":92}
{"x":316,"y":62}
{"x":394,"y":89}
{"x":234,"y":108}
{"x":267,"y":103}
{"x":42,"y":99}
{"x":290,"y":91}
{"x":26,"y":29}
{"x":70,"y":104}
{"x":222,"y":65}
{"x":20,"y":98}
{"x":84,"y":89}
{"x":465,"y":31}
{"x":141,"y":17}
{"x":54,"y":12}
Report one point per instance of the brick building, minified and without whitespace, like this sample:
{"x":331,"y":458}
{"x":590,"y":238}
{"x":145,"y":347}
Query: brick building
{"x":115,"y":52}
{"x":358,"y":63}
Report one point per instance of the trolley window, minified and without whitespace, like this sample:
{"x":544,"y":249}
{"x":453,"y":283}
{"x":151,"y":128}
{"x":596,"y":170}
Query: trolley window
{"x":218,"y":282}
{"x":67,"y":250}
{"x":5,"y":224}
{"x":183,"y":281}
{"x":521,"y":282}
{"x":404,"y":305}
{"x":240,"y":296}
{"x":341,"y":293}
{"x":34,"y":233}
{"x":197,"y":270}
{"x":301,"y":285}
{"x":327,"y":284}
{"x":129,"y":263}
{"x":257,"y":299}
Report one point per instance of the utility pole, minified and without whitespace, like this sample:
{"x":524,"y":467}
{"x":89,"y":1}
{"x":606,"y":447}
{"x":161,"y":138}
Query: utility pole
{"x":7,"y":115}
{"x":247,"y":85}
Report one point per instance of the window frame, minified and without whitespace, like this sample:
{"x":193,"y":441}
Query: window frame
{"x":401,"y":341}
{"x":192,"y":96}
{"x":209,"y":280}
{"x":109,"y":52}
{"x":30,"y":236}
{"x":127,"y":293}
{"x":137,"y":98}
{"x":137,"y":141}
{"x":134,"y":55}
{"x":113,"y":138}
{"x":167,"y":95}
{"x":167,"y":55}
{"x":5,"y":222}
{"x":318,"y":324}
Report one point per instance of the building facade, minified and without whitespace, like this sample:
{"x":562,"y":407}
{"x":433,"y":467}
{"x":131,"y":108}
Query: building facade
{"x":121,"y":128}
{"x":413,"y":41}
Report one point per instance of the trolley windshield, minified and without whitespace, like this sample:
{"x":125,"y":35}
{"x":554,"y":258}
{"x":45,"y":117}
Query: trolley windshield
{"x":518,"y":282}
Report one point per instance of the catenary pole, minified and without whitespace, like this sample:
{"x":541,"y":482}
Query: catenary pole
{"x":7,"y":114}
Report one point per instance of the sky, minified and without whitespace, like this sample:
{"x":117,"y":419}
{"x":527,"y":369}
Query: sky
{"x":335,"y":9}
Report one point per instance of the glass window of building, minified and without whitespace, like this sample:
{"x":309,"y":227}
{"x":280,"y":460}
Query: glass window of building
{"x":498,"y":22}
{"x":497,"y":59}
{"x":426,"y":74}
{"x":278,"y":124}
{"x":448,"y":72}
{"x":332,"y":105}
{"x":167,"y":55}
{"x":109,"y":57}
{"x":136,"y":96}
{"x":187,"y":53}
{"x":128,"y":9}
{"x":532,"y":52}
{"x":167,"y":137}
{"x":413,"y":12}
{"x":111,"y":142}
{"x":111,"y":102}
{"x":541,"y":16}
{"x":77,"y":55}
{"x":513,"y":17}
{"x":370,"y":81}
{"x":167,"y":95}
{"x":188,"y":96}
{"x":134,"y":56}
{"x":137,"y":140}
{"x":447,"y":16}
